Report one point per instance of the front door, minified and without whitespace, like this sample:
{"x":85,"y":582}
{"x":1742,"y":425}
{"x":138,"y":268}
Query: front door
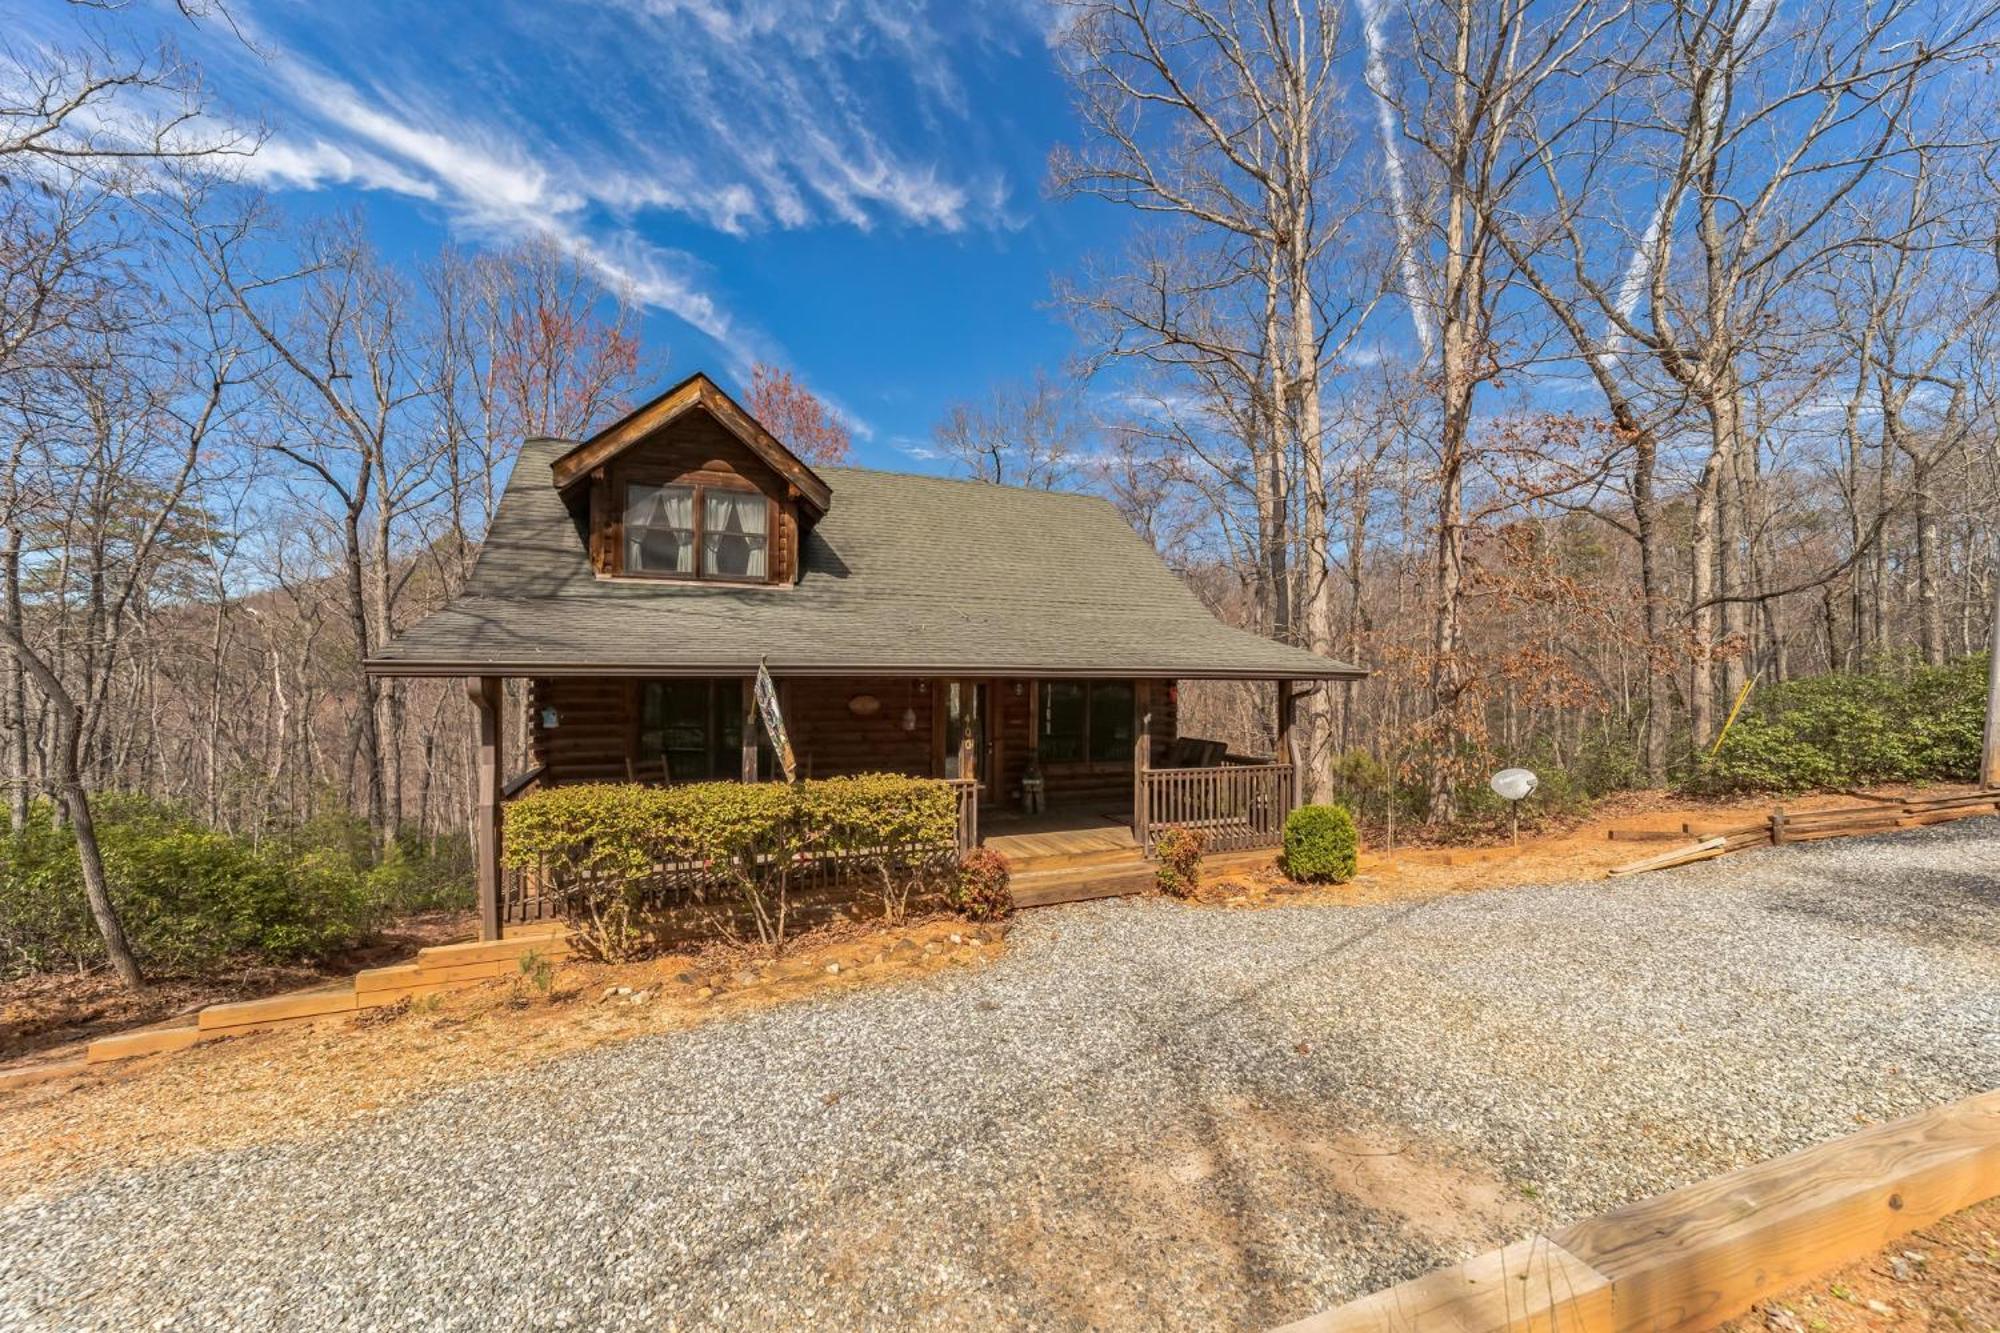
{"x":967,"y":746}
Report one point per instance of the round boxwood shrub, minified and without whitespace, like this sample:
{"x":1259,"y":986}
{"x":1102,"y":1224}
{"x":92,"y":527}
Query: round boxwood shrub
{"x":1320,"y":843}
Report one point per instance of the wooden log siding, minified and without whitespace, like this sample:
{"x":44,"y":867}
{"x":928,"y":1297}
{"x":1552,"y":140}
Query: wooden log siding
{"x":1239,"y":807}
{"x":594,"y":734}
{"x":831,"y":740}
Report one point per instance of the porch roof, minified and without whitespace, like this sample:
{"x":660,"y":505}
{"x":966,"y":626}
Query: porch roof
{"x":904,"y":575}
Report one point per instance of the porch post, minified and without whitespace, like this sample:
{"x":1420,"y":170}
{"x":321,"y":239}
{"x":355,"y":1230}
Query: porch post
{"x":750,"y":725}
{"x":1142,"y":760}
{"x":1288,"y":735}
{"x":485,"y":693}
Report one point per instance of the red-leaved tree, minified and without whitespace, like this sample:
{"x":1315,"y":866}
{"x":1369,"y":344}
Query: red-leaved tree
{"x":801,"y":421}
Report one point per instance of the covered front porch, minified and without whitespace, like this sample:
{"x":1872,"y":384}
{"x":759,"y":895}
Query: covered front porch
{"x":1054,"y":772}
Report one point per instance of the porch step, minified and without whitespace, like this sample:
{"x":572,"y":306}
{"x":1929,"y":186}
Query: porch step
{"x":1128,"y":874}
{"x":1046,"y":888}
{"x":1063,"y":861}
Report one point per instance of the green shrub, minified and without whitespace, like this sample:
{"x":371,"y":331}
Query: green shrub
{"x":983,"y":888}
{"x":1893,"y":724}
{"x":1179,"y":850}
{"x":617,"y":853}
{"x":193,"y":898}
{"x":190,"y":897}
{"x":1320,"y":844}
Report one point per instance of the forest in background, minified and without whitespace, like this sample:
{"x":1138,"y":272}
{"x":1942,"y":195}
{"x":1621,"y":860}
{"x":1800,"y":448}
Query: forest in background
{"x":1573,"y":366}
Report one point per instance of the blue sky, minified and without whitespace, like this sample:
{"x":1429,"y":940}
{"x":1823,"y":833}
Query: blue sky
{"x":851,"y":189}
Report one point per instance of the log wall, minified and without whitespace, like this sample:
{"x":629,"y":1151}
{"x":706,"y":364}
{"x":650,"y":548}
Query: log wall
{"x":594,"y":738}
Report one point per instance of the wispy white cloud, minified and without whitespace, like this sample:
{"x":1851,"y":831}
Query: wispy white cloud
{"x":1375,"y":70}
{"x":313,"y":164}
{"x":635,"y":118}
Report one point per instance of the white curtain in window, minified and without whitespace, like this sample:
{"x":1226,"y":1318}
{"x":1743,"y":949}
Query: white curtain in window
{"x":659,"y":529}
{"x":733,"y":534}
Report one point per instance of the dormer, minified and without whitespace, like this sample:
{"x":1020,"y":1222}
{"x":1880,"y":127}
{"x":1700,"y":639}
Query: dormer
{"x":690,"y":488}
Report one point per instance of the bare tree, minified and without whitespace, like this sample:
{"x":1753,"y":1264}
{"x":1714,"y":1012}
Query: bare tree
{"x":1226,"y":116}
{"x":1029,"y":434}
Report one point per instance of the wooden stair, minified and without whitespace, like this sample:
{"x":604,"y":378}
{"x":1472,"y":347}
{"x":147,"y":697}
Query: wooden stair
{"x":1107,"y":875}
{"x":1075,"y":884}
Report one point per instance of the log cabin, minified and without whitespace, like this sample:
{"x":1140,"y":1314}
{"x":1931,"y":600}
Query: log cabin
{"x":1026,"y":645}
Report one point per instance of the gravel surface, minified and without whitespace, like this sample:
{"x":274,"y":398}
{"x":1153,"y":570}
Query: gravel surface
{"x":1144,"y":1115}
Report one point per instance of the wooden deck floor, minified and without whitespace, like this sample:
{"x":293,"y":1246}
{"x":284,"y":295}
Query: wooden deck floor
{"x":1066,"y":832}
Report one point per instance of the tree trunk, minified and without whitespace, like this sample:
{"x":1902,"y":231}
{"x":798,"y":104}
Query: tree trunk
{"x":68,"y":780}
{"x":1319,"y":705}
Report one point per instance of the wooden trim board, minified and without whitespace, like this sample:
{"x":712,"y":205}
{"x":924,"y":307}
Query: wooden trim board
{"x":1697,"y":1257}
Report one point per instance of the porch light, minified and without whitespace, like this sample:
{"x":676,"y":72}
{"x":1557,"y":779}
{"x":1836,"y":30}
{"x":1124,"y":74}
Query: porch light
{"x":909,"y":719}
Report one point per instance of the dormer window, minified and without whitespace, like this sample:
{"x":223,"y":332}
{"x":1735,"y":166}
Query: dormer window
{"x":700,"y":531}
{"x":659,"y":530}
{"x":734,"y":527}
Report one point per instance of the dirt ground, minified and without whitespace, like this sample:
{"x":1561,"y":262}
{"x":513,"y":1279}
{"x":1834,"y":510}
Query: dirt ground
{"x":1945,"y":1276}
{"x":284,"y":1084}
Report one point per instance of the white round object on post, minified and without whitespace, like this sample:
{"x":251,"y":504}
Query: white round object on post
{"x":1513,"y":784}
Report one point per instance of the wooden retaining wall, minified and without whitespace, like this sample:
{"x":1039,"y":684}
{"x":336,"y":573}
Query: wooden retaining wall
{"x":439,"y":968}
{"x":1697,"y":1257}
{"x":1733,"y":833}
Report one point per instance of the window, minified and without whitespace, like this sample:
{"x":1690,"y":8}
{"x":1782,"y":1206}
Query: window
{"x":1086,"y":721}
{"x":659,"y":529}
{"x":1065,"y":721}
{"x":692,"y":731}
{"x":1111,"y":722}
{"x":688,"y":531}
{"x":732,"y":534}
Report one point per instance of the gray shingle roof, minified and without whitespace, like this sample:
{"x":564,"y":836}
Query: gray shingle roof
{"x":904,"y":575}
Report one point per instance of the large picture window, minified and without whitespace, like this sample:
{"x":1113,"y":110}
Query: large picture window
{"x":692,"y":731}
{"x":1086,"y":720}
{"x":697,"y":531}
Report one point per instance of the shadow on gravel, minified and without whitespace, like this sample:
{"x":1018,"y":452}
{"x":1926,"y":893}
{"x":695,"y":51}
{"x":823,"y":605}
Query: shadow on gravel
{"x":1922,"y":905}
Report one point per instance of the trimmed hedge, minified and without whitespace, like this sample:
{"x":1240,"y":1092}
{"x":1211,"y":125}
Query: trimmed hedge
{"x":1320,"y":844}
{"x":617,"y":853}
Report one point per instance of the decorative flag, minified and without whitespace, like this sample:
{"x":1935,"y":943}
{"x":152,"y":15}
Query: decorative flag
{"x":774,"y":721}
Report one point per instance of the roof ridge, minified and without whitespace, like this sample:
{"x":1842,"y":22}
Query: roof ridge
{"x":967,"y":481}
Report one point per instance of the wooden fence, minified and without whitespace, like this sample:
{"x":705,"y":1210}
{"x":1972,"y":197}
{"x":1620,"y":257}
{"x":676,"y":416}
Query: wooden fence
{"x":1878,"y":814}
{"x":1238,"y":807}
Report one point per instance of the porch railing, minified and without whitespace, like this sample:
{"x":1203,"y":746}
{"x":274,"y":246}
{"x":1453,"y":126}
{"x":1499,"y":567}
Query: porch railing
{"x":1239,"y":807}
{"x":967,"y":790}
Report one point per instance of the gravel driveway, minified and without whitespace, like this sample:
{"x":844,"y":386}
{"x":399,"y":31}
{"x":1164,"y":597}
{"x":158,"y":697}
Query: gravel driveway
{"x":1143,"y":1116}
